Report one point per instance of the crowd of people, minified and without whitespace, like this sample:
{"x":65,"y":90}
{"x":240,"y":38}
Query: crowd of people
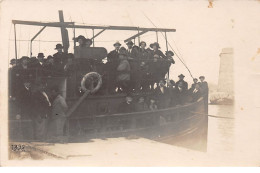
{"x":129,"y":70}
{"x":167,"y":96}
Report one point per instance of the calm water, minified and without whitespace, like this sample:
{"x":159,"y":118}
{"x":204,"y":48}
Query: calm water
{"x":239,"y":137}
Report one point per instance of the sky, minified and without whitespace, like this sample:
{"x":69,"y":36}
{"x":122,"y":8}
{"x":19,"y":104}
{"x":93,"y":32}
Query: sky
{"x":201,"y":32}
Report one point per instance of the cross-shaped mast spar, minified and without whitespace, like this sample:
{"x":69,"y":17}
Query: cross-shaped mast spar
{"x":64,"y":32}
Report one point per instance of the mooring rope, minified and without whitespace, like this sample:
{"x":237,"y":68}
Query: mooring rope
{"x":214,"y":116}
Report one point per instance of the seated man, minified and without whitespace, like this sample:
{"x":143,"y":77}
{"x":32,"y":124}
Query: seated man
{"x":126,"y":106}
{"x":141,"y":105}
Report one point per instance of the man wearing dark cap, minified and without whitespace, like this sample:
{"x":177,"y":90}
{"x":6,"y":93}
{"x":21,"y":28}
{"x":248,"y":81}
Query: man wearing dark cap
{"x":88,"y":42}
{"x":13,"y":63}
{"x":112,"y":64}
{"x":133,"y":58}
{"x":39,"y":62}
{"x":155,"y":46}
{"x":49,"y":66}
{"x":84,"y":43}
{"x":18,"y":74}
{"x":162,"y":94}
{"x":169,"y":56}
{"x":184,"y":83}
{"x":113,"y":55}
{"x":40,"y":110}
{"x":204,"y":91}
{"x":60,"y":58}
{"x":195,"y":81}
{"x":172,"y":93}
{"x":143,"y":53}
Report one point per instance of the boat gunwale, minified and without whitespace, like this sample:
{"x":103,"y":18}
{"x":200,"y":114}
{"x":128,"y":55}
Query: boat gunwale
{"x":137,"y":113}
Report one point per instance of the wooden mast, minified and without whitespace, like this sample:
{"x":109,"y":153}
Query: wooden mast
{"x":64,"y":33}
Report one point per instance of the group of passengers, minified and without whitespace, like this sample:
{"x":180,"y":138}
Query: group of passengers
{"x":136,"y":68}
{"x":130,"y":69}
{"x":167,"y":96}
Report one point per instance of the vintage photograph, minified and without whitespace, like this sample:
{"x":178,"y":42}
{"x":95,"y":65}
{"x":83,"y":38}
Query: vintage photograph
{"x":130,"y":83}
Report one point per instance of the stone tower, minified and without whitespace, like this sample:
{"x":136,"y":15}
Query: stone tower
{"x":226,"y":75}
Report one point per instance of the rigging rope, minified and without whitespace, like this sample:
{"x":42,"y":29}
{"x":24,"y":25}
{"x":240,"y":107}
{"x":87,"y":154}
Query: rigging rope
{"x":84,"y":24}
{"x":170,"y":46}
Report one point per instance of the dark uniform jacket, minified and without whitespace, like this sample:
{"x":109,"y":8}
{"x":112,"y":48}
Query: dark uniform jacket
{"x":173,"y":96}
{"x":126,"y":108}
{"x":143,"y":55}
{"x":24,"y":101}
{"x":162,"y":97}
{"x":60,"y":60}
{"x":158,"y":52}
{"x":40,"y":105}
{"x":184,"y":85}
{"x":196,"y":94}
{"x":113,"y":56}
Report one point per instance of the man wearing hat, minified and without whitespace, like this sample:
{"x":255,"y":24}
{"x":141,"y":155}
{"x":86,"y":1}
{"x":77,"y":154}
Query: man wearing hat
{"x":143,"y":53}
{"x":13,"y":63}
{"x":126,"y":106}
{"x":204,"y":91}
{"x":184,"y":83}
{"x":162,"y":94}
{"x":112,"y":64}
{"x":114,"y":54}
{"x":169,"y":56}
{"x":195,"y":81}
{"x":60,"y":58}
{"x":133,"y":58}
{"x":40,"y":61}
{"x":84,"y":43}
{"x":155,"y":46}
{"x":88,"y":42}
{"x":41,"y":107}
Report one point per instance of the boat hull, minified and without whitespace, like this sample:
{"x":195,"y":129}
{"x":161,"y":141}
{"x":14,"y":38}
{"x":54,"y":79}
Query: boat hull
{"x":184,"y":125}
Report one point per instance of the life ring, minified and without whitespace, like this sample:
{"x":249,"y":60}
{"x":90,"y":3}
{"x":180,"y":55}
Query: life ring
{"x":91,"y":75}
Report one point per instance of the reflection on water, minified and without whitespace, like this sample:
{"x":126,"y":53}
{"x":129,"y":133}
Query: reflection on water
{"x":238,"y":137}
{"x":221,"y":131}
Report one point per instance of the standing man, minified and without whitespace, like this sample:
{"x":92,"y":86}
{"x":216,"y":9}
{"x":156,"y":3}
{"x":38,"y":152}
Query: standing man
{"x":60,"y":58}
{"x":40,"y":110}
{"x":114,"y":54}
{"x":123,"y":69}
{"x":155,"y":46}
{"x":39,"y":64}
{"x":58,"y":115}
{"x":133,"y":58}
{"x":112,"y":64}
{"x":81,"y":48}
{"x":162,"y":94}
{"x":204,"y":91}
{"x":195,"y":81}
{"x":184,"y":83}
